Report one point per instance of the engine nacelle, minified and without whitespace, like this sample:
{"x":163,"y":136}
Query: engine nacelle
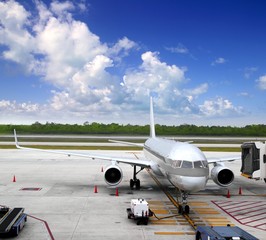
{"x":222,"y":176}
{"x":113,"y":175}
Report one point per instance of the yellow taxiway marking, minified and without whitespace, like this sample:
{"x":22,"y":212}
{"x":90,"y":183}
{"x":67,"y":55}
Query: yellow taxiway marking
{"x":198,"y":204}
{"x":160,"y":211}
{"x":206,"y":210}
{"x":174,"y":233}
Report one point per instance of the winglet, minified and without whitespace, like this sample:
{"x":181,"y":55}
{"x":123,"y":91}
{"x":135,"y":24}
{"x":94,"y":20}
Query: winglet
{"x":152,"y":126}
{"x":16,"y":139}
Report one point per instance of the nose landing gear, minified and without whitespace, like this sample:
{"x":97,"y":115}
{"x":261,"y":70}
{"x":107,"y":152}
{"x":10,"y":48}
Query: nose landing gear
{"x":183,"y":207}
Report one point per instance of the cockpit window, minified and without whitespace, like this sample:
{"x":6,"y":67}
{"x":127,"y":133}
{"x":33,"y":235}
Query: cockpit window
{"x":205,"y":163}
{"x":176,"y":163}
{"x":198,"y":164}
{"x":186,"y":164}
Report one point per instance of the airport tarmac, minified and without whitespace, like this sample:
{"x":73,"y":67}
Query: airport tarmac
{"x":58,"y":194}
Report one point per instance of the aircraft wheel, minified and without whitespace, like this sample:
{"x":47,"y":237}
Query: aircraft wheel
{"x":137,"y":184}
{"x":131,"y":183}
{"x":180,"y":209}
{"x":187,"y":209}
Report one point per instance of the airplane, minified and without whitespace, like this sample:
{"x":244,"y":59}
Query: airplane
{"x":181,"y":163}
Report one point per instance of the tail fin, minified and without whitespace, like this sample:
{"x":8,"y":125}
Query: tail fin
{"x":152,"y":126}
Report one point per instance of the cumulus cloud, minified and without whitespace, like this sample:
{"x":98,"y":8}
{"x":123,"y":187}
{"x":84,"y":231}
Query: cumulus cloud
{"x":220,"y":107}
{"x":262,"y":82}
{"x":13,"y":106}
{"x":80,"y":68}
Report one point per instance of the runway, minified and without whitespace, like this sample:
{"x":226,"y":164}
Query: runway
{"x":57,"y":193}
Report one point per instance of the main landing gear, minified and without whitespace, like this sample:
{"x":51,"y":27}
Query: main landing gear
{"x":135,"y":182}
{"x":183,"y":207}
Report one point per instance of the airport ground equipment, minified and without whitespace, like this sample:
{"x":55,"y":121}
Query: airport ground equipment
{"x":222,"y":233}
{"x":139,"y":211}
{"x":11,"y":221}
{"x":254,"y":160}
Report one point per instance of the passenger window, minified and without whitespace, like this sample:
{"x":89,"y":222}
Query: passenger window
{"x":198,"y":164}
{"x":186,"y":164}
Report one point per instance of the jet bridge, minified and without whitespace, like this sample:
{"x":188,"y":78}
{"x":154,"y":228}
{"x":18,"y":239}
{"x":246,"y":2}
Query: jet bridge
{"x":254,"y":160}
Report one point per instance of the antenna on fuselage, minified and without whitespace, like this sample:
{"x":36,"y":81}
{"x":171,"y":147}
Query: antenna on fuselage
{"x":152,"y":126}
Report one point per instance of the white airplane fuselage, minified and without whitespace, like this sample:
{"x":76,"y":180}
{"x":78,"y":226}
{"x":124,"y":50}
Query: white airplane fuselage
{"x":183,"y":164}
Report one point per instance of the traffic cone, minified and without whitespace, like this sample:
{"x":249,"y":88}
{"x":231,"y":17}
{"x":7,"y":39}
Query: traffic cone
{"x":240,"y":191}
{"x":95,"y":189}
{"x":14,"y":178}
{"x":116,"y":192}
{"x":228,"y":194}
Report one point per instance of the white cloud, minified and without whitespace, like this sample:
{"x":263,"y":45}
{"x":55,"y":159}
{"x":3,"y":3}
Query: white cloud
{"x":13,"y":33}
{"x":154,"y":76}
{"x":249,"y":71}
{"x":13,"y":106}
{"x":219,"y":60}
{"x":73,"y":60}
{"x":219,"y":107}
{"x":180,"y":48}
{"x":262,"y":82}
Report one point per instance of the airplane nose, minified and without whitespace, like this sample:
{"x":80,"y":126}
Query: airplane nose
{"x":190,"y":184}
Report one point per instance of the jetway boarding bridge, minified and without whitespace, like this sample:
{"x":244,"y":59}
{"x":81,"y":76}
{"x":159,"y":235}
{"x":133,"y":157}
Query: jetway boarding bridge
{"x":254,"y":160}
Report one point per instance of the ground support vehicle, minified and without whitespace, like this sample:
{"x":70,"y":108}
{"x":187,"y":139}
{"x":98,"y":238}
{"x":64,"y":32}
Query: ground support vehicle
{"x":11,"y":221}
{"x":139,"y":211}
{"x":222,"y":233}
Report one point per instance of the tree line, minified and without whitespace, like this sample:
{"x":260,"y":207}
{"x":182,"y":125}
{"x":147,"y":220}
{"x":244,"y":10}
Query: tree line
{"x":118,"y":129}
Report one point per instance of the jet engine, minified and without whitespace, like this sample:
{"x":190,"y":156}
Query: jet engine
{"x":222,"y":176}
{"x":113,"y":175}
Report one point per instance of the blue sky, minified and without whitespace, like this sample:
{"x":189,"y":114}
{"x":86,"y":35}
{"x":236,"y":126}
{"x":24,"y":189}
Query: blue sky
{"x":99,"y":60}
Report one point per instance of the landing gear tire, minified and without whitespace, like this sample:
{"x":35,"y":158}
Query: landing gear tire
{"x":187,"y":209}
{"x":180,"y":210}
{"x":133,"y":183}
{"x":138,"y":184}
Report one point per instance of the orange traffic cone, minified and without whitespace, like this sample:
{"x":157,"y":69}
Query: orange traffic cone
{"x":95,"y":189}
{"x":14,"y":178}
{"x":228,"y":194}
{"x":240,"y":191}
{"x":116,"y":192}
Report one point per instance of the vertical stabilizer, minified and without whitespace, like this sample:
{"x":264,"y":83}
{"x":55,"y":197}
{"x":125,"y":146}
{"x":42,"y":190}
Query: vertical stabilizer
{"x":152,"y":127}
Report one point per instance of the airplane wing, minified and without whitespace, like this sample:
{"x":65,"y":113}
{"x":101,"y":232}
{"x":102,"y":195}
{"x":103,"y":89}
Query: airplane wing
{"x":131,"y":161}
{"x":224,"y":159}
{"x":128,"y":143}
